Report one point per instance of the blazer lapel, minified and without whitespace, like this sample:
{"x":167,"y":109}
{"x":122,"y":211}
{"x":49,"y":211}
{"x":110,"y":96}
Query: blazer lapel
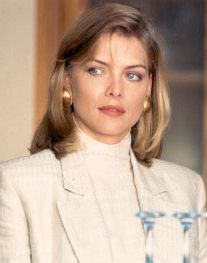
{"x":80,"y":213}
{"x":150,"y":186}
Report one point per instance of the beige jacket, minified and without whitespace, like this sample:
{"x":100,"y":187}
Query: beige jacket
{"x":48,"y":213}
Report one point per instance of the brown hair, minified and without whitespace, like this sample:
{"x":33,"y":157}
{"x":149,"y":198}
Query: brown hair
{"x":57,"y":130}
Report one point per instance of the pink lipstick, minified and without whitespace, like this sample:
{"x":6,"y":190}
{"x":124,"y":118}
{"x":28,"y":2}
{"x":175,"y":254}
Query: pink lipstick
{"x":111,"y":110}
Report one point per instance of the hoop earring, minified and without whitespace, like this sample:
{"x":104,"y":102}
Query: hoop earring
{"x":147,"y":104}
{"x":67,"y":97}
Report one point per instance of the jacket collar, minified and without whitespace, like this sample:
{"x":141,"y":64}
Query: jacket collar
{"x":74,"y":173}
{"x":148,"y":180}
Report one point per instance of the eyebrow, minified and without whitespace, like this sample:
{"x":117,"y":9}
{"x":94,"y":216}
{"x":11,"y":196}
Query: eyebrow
{"x":128,"y":67}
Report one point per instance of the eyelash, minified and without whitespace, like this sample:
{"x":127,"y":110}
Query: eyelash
{"x":139,"y":76}
{"x":92,"y":69}
{"x":135,"y":74}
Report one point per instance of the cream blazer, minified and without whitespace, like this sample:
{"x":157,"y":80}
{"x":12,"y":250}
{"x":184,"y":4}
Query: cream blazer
{"x":48,"y":212}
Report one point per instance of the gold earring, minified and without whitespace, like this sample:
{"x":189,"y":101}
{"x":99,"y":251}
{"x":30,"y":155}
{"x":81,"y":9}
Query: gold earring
{"x":147,"y":104}
{"x":67,"y":97}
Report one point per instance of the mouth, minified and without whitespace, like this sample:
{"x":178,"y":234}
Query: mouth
{"x":111,"y":110}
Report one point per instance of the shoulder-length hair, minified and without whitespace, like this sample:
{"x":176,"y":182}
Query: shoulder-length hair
{"x":57,"y":130}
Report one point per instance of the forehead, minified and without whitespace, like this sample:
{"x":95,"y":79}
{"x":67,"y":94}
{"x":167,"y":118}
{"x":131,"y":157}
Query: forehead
{"x":119,"y":49}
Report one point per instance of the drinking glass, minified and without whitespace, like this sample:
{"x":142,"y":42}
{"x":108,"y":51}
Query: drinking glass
{"x":186,"y":220}
{"x":149,"y":220}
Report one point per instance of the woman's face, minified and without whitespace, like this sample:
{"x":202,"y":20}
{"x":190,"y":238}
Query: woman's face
{"x":110,"y":87}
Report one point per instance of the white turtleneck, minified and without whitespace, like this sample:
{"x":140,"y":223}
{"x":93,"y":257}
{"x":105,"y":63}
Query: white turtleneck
{"x":111,"y":173}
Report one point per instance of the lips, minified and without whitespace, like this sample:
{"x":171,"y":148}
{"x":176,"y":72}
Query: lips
{"x":112,"y":110}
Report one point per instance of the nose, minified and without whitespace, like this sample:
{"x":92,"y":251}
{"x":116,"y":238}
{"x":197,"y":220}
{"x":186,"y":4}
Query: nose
{"x":114,"y":87}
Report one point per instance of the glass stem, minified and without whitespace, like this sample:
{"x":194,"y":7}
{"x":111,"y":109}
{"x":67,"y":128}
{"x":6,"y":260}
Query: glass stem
{"x":186,"y":246}
{"x":149,"y":245}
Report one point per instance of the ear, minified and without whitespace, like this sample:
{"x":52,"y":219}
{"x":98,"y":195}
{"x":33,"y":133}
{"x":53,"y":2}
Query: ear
{"x":67,"y":81}
{"x":149,"y":88}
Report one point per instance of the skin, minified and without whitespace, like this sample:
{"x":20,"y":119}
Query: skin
{"x":115,"y":74}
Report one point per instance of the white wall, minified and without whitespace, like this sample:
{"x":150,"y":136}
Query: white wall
{"x":17,"y":42}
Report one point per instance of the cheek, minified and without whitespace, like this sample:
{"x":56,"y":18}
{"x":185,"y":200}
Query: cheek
{"x":136,"y":101}
{"x":79,"y":91}
{"x":136,"y":106}
{"x":84,"y":97}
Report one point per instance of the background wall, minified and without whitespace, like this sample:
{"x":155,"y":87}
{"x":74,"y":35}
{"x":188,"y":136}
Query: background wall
{"x":17,"y":31}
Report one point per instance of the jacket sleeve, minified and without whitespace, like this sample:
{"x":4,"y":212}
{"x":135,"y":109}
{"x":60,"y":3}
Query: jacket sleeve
{"x":14,"y":234}
{"x":202,"y":222}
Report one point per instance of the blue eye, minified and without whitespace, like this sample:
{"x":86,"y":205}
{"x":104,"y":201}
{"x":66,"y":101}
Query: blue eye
{"x":134,"y":76}
{"x":95,"y":71}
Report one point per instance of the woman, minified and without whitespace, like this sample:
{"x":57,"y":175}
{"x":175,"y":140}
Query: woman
{"x":94,"y":156}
